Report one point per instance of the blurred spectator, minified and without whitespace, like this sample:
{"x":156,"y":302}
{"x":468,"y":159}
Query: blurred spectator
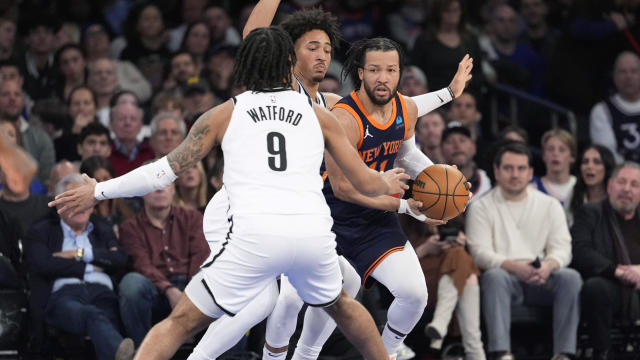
{"x":25,"y":206}
{"x":54,"y":118}
{"x":167,"y":102}
{"x":59,"y":171}
{"x":167,"y":132}
{"x":14,"y":138}
{"x":96,"y":45}
{"x":514,"y":133}
{"x":429,"y":130}
{"x":406,"y":23}
{"x":36,"y":141}
{"x":7,"y":37}
{"x":198,"y":98}
{"x":11,"y":269}
{"x":615,"y":122}
{"x":458,"y":148}
{"x":608,"y":26}
{"x":465,"y":110}
{"x":167,"y":247}
{"x":559,"y":152}
{"x":439,"y":49}
{"x":37,"y":62}
{"x":607,"y":254}
{"x":191,"y":12}
{"x":102,"y":80}
{"x":182,"y":69}
{"x":330,"y":84}
{"x":596,"y":165}
{"x":73,"y":262}
{"x":94,"y":141}
{"x":17,"y":167}
{"x":69,"y":33}
{"x":73,"y":69}
{"x":413,"y":82}
{"x":191,"y":189}
{"x":128,"y":152}
{"x":214,"y":167}
{"x":82,"y":108}
{"x":510,"y":230}
{"x":219,"y":65}
{"x":146,"y":42}
{"x":357,"y":19}
{"x":129,"y":97}
{"x":196,"y":42}
{"x":537,"y":34}
{"x":220,"y":27}
{"x":515,"y":63}
{"x":113,"y":211}
{"x":452,"y":281}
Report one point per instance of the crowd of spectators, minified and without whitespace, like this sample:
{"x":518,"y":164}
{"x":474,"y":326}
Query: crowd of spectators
{"x":102,"y":87}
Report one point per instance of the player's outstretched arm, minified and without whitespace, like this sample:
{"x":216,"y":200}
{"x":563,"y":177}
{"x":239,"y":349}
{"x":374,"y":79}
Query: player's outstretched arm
{"x":18,"y":166}
{"x":207,"y":131}
{"x":261,"y":16}
{"x":367,"y":181}
{"x":434,"y":99}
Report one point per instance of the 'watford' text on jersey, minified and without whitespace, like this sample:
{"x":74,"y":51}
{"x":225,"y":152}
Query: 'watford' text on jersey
{"x":272,"y":112}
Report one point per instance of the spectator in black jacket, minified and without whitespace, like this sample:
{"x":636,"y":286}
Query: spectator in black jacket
{"x":606,"y":252}
{"x":72,"y":263}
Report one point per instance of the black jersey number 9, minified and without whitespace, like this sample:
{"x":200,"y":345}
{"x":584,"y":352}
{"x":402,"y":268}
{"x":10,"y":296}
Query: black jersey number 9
{"x":276,"y":147}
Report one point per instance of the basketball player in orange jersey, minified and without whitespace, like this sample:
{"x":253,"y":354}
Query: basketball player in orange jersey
{"x":280,"y":221}
{"x":314,"y":33}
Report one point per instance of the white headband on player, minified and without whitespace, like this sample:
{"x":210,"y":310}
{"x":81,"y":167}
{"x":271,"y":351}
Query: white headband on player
{"x":141,"y":181}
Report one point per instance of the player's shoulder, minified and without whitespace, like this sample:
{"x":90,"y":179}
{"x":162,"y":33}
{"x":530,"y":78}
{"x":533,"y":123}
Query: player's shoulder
{"x":331,"y":99}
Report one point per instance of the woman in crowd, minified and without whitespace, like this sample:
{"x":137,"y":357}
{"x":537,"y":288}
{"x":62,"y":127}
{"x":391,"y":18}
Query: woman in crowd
{"x":191,"y":188}
{"x":196,"y":41}
{"x":596,"y":164}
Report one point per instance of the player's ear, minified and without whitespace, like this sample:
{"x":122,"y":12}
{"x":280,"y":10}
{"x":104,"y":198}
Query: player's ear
{"x":360,"y":73}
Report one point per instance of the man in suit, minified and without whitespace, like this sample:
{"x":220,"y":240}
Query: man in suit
{"x":72,"y":261}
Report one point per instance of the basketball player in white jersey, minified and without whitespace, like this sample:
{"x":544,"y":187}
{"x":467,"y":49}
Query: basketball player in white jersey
{"x":314,"y":33}
{"x":273,"y":144}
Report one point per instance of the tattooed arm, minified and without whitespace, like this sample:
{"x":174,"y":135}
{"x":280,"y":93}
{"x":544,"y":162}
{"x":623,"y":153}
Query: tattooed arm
{"x":207,"y":131}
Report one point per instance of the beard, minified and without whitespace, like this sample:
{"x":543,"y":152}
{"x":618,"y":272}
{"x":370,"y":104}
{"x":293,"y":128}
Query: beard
{"x":376,"y":100}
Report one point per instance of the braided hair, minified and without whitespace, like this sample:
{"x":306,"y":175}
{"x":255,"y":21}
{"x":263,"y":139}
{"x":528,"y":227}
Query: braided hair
{"x":356,"y":55}
{"x":303,"y":21}
{"x":264,"y":60}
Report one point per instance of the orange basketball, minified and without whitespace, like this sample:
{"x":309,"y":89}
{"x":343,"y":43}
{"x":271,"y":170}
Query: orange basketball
{"x":442,"y":189}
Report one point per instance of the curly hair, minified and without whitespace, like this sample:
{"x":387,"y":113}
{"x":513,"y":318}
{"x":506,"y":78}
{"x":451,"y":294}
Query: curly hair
{"x":356,"y":55}
{"x":265,"y":60}
{"x":303,"y":21}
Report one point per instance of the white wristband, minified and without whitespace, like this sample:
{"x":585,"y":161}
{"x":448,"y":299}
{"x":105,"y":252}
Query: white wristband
{"x":404,"y":208}
{"x":137,"y":182}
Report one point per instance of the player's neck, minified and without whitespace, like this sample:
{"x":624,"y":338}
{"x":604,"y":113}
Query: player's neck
{"x":381,"y":113}
{"x":309,"y":85}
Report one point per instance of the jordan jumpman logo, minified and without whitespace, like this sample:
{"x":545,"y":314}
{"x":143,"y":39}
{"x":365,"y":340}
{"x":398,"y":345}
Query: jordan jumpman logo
{"x":367,"y":133}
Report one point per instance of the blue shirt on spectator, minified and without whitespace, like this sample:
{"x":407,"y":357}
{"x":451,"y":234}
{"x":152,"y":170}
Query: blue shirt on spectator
{"x":72,"y":241}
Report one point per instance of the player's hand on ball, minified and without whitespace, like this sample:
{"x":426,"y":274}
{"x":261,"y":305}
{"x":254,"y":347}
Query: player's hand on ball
{"x":413,"y":209}
{"x":78,"y":199}
{"x":394,"y":178}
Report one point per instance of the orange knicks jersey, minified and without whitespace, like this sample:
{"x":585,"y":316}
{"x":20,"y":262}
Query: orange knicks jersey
{"x":378,"y":145}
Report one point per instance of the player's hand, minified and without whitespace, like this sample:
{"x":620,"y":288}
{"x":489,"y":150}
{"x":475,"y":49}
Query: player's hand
{"x":77,"y":199}
{"x":394,"y":179}
{"x":462,"y":76}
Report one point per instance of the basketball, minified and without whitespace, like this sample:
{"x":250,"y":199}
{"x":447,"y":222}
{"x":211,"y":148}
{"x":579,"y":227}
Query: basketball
{"x":442,"y":189}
